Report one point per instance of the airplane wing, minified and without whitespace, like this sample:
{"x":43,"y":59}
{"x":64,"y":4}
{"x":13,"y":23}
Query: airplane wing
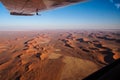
{"x":109,"y":72}
{"x":31,"y":7}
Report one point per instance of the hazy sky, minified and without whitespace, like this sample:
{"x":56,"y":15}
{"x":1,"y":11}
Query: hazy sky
{"x":94,"y":14}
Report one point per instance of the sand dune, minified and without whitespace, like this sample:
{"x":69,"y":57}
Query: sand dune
{"x":56,"y":55}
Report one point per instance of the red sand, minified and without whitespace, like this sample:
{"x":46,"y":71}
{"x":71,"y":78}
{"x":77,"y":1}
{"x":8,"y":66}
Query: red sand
{"x":56,"y":55}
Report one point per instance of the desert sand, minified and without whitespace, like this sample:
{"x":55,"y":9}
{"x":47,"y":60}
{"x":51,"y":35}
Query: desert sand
{"x":56,"y":54}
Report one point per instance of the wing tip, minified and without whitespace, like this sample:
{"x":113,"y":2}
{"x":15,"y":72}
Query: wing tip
{"x":20,"y":14}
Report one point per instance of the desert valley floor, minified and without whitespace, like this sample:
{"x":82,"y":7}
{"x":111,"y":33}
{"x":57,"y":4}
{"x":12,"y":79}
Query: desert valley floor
{"x":56,"y":55}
